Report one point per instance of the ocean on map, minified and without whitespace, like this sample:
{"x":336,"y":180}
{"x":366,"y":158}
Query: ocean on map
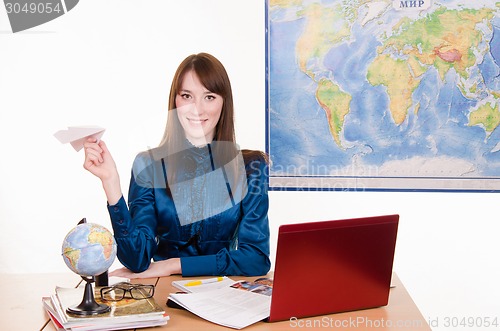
{"x":300,"y":143}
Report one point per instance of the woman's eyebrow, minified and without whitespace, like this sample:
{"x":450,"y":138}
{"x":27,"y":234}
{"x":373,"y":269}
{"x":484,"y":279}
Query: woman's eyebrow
{"x":189,"y":91}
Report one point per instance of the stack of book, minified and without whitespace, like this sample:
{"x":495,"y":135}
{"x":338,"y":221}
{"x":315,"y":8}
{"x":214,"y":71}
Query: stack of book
{"x":124,"y":314}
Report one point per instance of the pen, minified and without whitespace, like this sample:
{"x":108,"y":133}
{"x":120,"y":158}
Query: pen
{"x":204,"y":281}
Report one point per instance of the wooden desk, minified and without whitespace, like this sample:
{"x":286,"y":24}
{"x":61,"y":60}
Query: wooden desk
{"x":401,"y":309}
{"x":21,"y":298}
{"x":21,"y":308}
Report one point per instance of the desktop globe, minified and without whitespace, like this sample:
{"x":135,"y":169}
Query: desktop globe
{"x":89,"y":250}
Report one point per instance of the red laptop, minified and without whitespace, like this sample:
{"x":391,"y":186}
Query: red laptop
{"x":333,"y":266}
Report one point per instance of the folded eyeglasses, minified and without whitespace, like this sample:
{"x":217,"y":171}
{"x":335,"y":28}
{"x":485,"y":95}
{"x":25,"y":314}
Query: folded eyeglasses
{"x":119,"y":291}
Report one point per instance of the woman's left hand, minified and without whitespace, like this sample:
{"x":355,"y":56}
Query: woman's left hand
{"x":156,"y":269}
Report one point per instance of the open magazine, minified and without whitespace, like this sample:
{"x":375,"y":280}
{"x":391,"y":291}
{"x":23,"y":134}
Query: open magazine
{"x":235,"y":304}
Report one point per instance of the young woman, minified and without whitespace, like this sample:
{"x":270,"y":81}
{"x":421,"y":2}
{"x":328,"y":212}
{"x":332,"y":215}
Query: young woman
{"x":196,"y":204}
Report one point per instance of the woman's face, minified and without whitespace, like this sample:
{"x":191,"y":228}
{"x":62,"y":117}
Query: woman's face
{"x":198,"y":110}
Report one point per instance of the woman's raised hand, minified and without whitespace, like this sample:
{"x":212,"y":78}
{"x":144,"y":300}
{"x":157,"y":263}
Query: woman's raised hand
{"x":99,"y":162}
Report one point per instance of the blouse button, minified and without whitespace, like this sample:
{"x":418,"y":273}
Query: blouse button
{"x":120,"y":221}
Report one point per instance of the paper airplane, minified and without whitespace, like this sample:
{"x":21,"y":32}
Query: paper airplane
{"x":77,"y":135}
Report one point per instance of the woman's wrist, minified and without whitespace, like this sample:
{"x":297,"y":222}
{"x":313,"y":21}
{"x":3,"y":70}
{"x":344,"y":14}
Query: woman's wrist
{"x":112,"y":189}
{"x":176,"y":266}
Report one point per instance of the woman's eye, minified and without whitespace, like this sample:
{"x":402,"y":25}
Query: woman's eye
{"x":210,"y":97}
{"x":185,"y":96}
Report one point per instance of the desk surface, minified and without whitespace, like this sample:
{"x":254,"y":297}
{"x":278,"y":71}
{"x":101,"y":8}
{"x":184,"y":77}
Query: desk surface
{"x":21,"y":308}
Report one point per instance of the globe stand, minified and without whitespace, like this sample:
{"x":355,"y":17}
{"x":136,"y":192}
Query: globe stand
{"x":88,"y":306}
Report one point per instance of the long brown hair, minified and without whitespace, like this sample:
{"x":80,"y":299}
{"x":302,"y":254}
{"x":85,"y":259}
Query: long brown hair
{"x":214,"y":77}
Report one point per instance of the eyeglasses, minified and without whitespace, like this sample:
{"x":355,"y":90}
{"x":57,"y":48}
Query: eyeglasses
{"x":118,"y":291}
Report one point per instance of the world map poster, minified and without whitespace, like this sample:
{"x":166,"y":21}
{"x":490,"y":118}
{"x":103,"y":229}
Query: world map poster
{"x":383,"y":95}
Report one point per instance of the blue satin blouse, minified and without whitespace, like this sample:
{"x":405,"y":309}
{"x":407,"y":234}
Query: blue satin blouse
{"x":232,"y":242}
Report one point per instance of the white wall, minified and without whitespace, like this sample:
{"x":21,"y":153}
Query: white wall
{"x":110,"y":63}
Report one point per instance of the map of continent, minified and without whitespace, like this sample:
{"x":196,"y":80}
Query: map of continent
{"x":384,"y":94}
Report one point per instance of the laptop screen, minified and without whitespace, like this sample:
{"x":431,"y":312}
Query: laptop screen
{"x":333,"y":266}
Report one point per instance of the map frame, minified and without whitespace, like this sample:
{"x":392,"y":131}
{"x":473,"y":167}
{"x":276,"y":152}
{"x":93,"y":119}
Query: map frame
{"x":277,"y":182}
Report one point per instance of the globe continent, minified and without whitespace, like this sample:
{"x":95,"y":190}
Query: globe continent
{"x":89,"y":249}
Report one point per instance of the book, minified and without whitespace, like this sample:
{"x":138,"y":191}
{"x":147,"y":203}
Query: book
{"x":237,"y":305}
{"x":124,"y":314}
{"x":47,"y":304}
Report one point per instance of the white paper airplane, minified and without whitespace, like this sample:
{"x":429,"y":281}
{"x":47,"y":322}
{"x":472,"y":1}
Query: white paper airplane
{"x":77,"y":135}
